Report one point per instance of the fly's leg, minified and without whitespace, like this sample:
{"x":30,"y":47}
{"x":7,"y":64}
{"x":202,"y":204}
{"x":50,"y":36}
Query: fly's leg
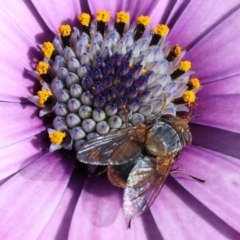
{"x":188,"y":175}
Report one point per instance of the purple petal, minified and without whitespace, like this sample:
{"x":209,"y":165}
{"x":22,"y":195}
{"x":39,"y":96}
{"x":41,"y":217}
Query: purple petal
{"x":21,"y":12}
{"x":137,"y":8}
{"x":222,"y":141}
{"x":220,"y":192}
{"x":112,"y":6}
{"x":18,"y":52}
{"x":55,"y":13}
{"x":161,"y":11}
{"x":99,"y":209}
{"x":15,"y":44}
{"x":221,"y":87}
{"x":29,"y":199}
{"x":223,"y":115}
{"x":18,"y":122}
{"x":145,"y":227}
{"x":176,"y":11}
{"x":193,"y":220}
{"x":233,"y":160}
{"x":17,"y":156}
{"x":15,"y":86}
{"x":58,"y":227}
{"x":193,"y":24}
{"x":217,"y":55}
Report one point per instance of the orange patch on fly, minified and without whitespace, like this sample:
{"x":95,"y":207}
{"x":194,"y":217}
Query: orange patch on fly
{"x":94,"y":155}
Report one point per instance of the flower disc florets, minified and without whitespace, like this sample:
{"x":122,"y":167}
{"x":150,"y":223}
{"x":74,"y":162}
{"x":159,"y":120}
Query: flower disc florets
{"x":107,"y":76}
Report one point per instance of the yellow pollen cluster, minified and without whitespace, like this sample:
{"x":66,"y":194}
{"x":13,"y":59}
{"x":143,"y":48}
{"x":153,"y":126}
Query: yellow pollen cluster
{"x":161,"y":30}
{"x":176,"y":50}
{"x":189,"y":96}
{"x":144,"y":70}
{"x":42,"y":67}
{"x":47,"y":49}
{"x":84,"y":19}
{"x":64,"y":30}
{"x":122,"y":17}
{"x":43,"y":96}
{"x":57,"y":137}
{"x":103,"y":16}
{"x":185,"y":66}
{"x":195,"y":83}
{"x":144,"y":20}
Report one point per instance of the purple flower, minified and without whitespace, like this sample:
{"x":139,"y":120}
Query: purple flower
{"x":42,"y":195}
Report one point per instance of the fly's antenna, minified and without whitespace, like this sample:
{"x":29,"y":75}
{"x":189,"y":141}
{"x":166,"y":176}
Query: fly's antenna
{"x":189,"y":117}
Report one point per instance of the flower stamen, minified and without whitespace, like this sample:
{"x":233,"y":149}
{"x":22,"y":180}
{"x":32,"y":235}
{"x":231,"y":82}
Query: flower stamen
{"x":48,"y":49}
{"x":189,"y":96}
{"x":174,"y":52}
{"x":121,"y":19}
{"x":159,"y":31}
{"x":194,"y":83}
{"x":43,"y":69}
{"x":43,"y":96}
{"x":65,"y":33}
{"x":84,"y":20}
{"x":184,"y":66}
{"x":102,"y":17}
{"x":142,"y":23}
{"x":57,"y":137}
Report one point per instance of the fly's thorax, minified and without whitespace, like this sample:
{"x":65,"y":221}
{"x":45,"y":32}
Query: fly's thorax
{"x":162,"y":139}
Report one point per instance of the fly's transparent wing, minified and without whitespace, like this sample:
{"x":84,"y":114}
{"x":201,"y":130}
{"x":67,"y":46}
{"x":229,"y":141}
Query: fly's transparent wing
{"x":114,"y":148}
{"x":144,"y":184}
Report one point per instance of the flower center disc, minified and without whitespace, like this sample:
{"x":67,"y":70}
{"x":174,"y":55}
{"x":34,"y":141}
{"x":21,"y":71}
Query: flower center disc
{"x":110,"y":75}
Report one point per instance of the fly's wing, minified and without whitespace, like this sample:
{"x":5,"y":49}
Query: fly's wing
{"x":114,"y":148}
{"x":144,"y":184}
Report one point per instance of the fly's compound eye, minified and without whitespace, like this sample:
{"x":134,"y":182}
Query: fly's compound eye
{"x":187,"y":137}
{"x":180,"y":125}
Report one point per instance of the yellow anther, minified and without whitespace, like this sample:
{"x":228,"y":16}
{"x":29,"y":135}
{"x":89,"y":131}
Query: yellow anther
{"x":47,"y":49}
{"x":185,"y":66}
{"x":43,"y":96}
{"x":161,"y":30}
{"x":144,"y":20}
{"x":176,"y":50}
{"x":144,"y":70}
{"x":122,"y":17}
{"x":84,"y":19}
{"x":57,"y":137}
{"x":64,"y":30}
{"x":103,"y":16}
{"x":195,"y":83}
{"x":189,"y":96}
{"x":42,"y":67}
{"x":88,"y":45}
